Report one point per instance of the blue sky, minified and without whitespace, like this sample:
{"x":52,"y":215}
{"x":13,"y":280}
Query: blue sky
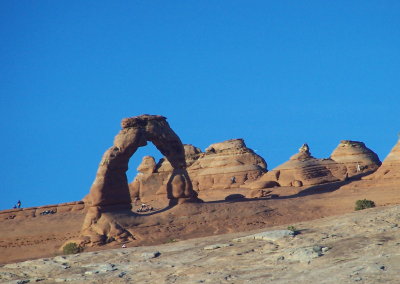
{"x":276,"y":73}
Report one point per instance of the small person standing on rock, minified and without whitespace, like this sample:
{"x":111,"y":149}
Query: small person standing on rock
{"x":19,"y":204}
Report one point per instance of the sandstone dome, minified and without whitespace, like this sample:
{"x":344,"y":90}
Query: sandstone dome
{"x":223,"y":165}
{"x":356,"y":157}
{"x":390,"y":168}
{"x":349,"y":159}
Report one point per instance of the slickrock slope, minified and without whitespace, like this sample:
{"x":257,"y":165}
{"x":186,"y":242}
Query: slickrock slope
{"x":360,"y":247}
{"x":390,"y":168}
{"x":224,"y":165}
{"x":26,"y":234}
{"x":38,"y":231}
{"x":350,"y":158}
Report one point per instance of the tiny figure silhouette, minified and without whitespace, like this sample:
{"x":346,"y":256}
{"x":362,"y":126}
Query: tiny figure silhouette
{"x":233,"y":179}
{"x":19,"y":204}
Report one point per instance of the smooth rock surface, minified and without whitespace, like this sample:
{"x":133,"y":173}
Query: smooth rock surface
{"x":364,"y":248}
{"x":267,"y":236}
{"x":390,"y":168}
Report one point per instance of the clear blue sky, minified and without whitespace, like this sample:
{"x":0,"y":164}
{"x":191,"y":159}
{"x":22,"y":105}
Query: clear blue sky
{"x":276,"y":73}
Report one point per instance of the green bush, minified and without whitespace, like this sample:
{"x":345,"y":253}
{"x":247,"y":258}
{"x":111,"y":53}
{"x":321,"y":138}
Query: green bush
{"x":170,"y":241}
{"x":364,"y":204}
{"x":293,"y":229}
{"x":71,"y":248}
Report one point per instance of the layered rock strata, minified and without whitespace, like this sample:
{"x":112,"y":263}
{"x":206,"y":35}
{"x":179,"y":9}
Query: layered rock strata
{"x":152,"y":179}
{"x":301,"y":169}
{"x":224,"y":165}
{"x":110,"y":188}
{"x":390,"y":168}
{"x":356,"y":157}
{"x":349,"y":159}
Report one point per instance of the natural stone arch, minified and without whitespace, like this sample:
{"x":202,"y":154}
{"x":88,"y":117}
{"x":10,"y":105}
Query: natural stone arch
{"x":111,"y":184}
{"x":109,"y":197}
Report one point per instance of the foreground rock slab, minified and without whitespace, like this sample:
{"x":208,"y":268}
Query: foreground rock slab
{"x":268,"y":236}
{"x":360,"y":247}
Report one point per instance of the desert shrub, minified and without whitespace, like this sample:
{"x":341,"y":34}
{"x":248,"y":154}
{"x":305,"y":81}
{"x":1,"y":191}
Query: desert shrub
{"x":364,"y":204}
{"x":293,"y":229}
{"x":170,"y":241}
{"x":71,"y":248}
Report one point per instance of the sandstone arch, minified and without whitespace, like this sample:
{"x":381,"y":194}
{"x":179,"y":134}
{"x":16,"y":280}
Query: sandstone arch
{"x":109,"y":197}
{"x":111,"y":185}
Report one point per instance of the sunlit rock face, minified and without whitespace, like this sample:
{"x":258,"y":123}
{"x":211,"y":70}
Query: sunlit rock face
{"x":356,"y":157}
{"x":110,"y":192}
{"x":349,"y":159}
{"x":390,"y":168}
{"x":301,"y":169}
{"x":223,"y":165}
{"x":111,"y":186}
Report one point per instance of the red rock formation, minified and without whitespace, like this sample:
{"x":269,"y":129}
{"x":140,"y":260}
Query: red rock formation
{"x":301,"y":169}
{"x":224,"y":165}
{"x":350,"y":158}
{"x":390,"y":168}
{"x":110,"y":187}
{"x":356,"y":158}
